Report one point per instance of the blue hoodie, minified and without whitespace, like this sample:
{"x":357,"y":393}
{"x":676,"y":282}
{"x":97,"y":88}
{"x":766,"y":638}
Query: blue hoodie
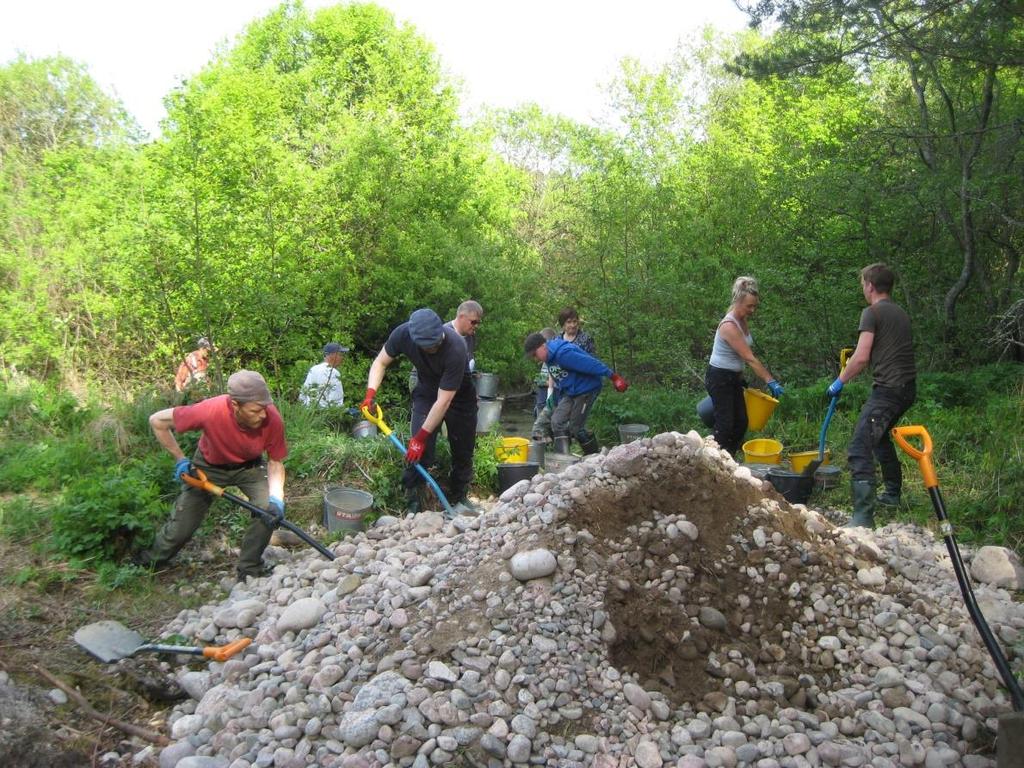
{"x":580,"y":372}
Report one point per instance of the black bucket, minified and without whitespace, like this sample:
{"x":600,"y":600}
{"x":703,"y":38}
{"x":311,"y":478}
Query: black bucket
{"x":795,"y":487}
{"x":511,"y":473}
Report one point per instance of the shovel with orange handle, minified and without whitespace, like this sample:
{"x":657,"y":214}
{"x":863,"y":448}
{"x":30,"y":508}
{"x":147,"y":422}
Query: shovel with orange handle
{"x":923,"y":456}
{"x":198,"y":480}
{"x":110,"y":641}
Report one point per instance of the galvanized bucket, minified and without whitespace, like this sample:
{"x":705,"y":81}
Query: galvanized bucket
{"x":364,"y":429}
{"x":488,"y":413}
{"x":487,"y":385}
{"x":557,"y":462}
{"x":344,"y":508}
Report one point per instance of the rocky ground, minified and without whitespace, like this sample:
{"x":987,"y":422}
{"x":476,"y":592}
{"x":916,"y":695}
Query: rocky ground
{"x":651,"y":606}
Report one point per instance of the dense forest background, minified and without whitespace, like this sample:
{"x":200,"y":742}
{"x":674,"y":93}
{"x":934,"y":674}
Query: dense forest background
{"x":314,"y":182}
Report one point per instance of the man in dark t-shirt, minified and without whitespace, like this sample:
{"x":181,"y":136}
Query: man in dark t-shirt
{"x":439,"y":356}
{"x":887,"y":343}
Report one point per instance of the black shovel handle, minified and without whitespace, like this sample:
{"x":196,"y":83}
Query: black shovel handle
{"x":199,"y":481}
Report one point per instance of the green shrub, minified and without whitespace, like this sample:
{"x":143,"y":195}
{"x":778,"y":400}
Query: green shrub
{"x":99,"y":516}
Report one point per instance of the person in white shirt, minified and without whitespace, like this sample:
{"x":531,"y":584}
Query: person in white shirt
{"x":322,"y":387}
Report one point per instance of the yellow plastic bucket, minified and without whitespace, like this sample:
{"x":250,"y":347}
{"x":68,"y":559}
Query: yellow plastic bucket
{"x":759,"y":408}
{"x":799,"y":461}
{"x":763,"y":450}
{"x":512,"y":450}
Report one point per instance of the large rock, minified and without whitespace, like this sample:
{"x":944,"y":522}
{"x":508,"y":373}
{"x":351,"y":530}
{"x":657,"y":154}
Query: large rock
{"x":302,"y":614}
{"x":999,"y":567}
{"x":533,"y":564}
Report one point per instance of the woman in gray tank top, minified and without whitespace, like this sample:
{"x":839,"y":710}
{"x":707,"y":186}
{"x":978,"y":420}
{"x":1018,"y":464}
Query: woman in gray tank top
{"x":724,"y":377}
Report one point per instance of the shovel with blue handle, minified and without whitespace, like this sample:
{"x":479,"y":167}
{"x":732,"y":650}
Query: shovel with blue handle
{"x":377,"y":419}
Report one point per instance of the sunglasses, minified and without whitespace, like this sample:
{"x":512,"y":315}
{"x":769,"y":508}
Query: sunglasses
{"x":475,"y":323}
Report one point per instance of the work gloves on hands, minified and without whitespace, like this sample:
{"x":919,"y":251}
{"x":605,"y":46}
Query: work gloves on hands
{"x":834,"y":388}
{"x":368,"y":403}
{"x":417,"y":445}
{"x":182,"y":466}
{"x":620,"y":384}
{"x":775,"y":388}
{"x":275,"y":505}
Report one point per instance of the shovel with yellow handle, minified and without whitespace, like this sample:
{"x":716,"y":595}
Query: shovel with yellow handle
{"x":198,"y":480}
{"x":377,"y":419}
{"x":923,"y":456}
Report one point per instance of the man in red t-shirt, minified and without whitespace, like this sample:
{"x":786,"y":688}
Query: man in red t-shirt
{"x":238,"y":428}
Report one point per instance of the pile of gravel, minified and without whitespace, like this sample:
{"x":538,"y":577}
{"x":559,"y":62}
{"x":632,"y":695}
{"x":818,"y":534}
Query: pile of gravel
{"x":654,"y":605}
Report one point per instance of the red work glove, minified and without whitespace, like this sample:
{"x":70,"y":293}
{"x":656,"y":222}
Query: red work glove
{"x":416,"y":446}
{"x":368,"y":401}
{"x":620,"y":384}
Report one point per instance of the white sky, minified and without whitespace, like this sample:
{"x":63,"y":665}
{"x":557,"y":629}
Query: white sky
{"x":557,"y":53}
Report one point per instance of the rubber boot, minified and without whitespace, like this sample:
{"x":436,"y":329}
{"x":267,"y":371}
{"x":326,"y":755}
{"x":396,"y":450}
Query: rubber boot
{"x":863,"y":504}
{"x":412,"y":500}
{"x":890,"y":496}
{"x":588,"y":442}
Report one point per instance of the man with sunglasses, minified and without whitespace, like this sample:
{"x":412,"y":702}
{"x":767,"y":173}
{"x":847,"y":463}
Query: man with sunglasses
{"x":467,"y":319}
{"x":439,"y":357}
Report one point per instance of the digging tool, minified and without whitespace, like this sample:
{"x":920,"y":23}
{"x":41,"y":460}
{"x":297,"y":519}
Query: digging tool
{"x":812,"y":467}
{"x":111,"y":641}
{"x":198,"y":480}
{"x":923,"y":456}
{"x":378,"y":420}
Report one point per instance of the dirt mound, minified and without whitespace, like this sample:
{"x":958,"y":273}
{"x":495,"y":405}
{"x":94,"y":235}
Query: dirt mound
{"x":26,"y":738}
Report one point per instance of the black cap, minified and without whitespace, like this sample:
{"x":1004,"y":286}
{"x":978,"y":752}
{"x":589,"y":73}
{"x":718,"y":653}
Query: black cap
{"x":426,"y":328}
{"x":332,"y":346}
{"x":533,"y":342}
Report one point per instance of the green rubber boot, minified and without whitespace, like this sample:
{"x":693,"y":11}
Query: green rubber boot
{"x":863,"y":504}
{"x":412,"y":500}
{"x":890,"y":495}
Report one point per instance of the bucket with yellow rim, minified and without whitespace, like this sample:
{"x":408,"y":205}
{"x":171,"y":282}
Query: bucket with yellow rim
{"x":799,"y":461}
{"x":762,"y":450}
{"x":759,"y":408}
{"x":512,"y":450}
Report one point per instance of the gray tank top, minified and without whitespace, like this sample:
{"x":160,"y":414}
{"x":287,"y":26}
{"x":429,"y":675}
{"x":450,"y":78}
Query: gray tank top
{"x":722,"y":354}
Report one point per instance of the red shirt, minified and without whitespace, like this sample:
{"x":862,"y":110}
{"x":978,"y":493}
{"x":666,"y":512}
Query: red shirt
{"x":224,"y":441}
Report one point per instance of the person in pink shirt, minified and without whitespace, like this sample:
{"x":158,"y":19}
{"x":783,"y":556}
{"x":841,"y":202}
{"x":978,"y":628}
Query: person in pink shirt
{"x":238,"y":429}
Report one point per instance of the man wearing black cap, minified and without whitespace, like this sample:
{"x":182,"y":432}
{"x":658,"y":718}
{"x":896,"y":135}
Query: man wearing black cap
{"x":238,"y":428}
{"x":322,"y":387}
{"x":439,"y":356}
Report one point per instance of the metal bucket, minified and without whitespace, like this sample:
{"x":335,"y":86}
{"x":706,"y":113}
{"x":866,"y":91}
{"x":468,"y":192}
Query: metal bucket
{"x":561,"y":444}
{"x":488,"y":413}
{"x":364,"y":429}
{"x":486,"y":385}
{"x":511,"y":473}
{"x":535,"y":453}
{"x":556,"y":462}
{"x":827,"y":476}
{"x":344,"y":508}
{"x":706,"y":411}
{"x":630,"y":432}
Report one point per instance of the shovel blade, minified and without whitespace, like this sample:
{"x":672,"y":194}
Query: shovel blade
{"x":108,"y":640}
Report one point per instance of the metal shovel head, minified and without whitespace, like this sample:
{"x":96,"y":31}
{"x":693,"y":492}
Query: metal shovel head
{"x":108,"y":640}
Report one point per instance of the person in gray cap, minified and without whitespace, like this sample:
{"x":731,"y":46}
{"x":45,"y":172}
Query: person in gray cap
{"x":238,"y":428}
{"x":439,"y":356}
{"x":322,"y":387}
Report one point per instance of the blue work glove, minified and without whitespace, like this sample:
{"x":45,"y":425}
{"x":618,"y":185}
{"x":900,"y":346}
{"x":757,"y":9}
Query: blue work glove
{"x":352,"y":411}
{"x":181,"y":467}
{"x":550,"y":403}
{"x":834,"y":388}
{"x":775,"y":388}
{"x":275,"y":506}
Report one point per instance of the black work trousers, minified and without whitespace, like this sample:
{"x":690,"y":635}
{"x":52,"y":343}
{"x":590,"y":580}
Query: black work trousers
{"x":871,"y":439}
{"x":461,"y":423}
{"x":726,"y":390}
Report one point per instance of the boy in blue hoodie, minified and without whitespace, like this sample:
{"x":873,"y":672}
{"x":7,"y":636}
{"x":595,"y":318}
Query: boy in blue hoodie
{"x":578,"y":377}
